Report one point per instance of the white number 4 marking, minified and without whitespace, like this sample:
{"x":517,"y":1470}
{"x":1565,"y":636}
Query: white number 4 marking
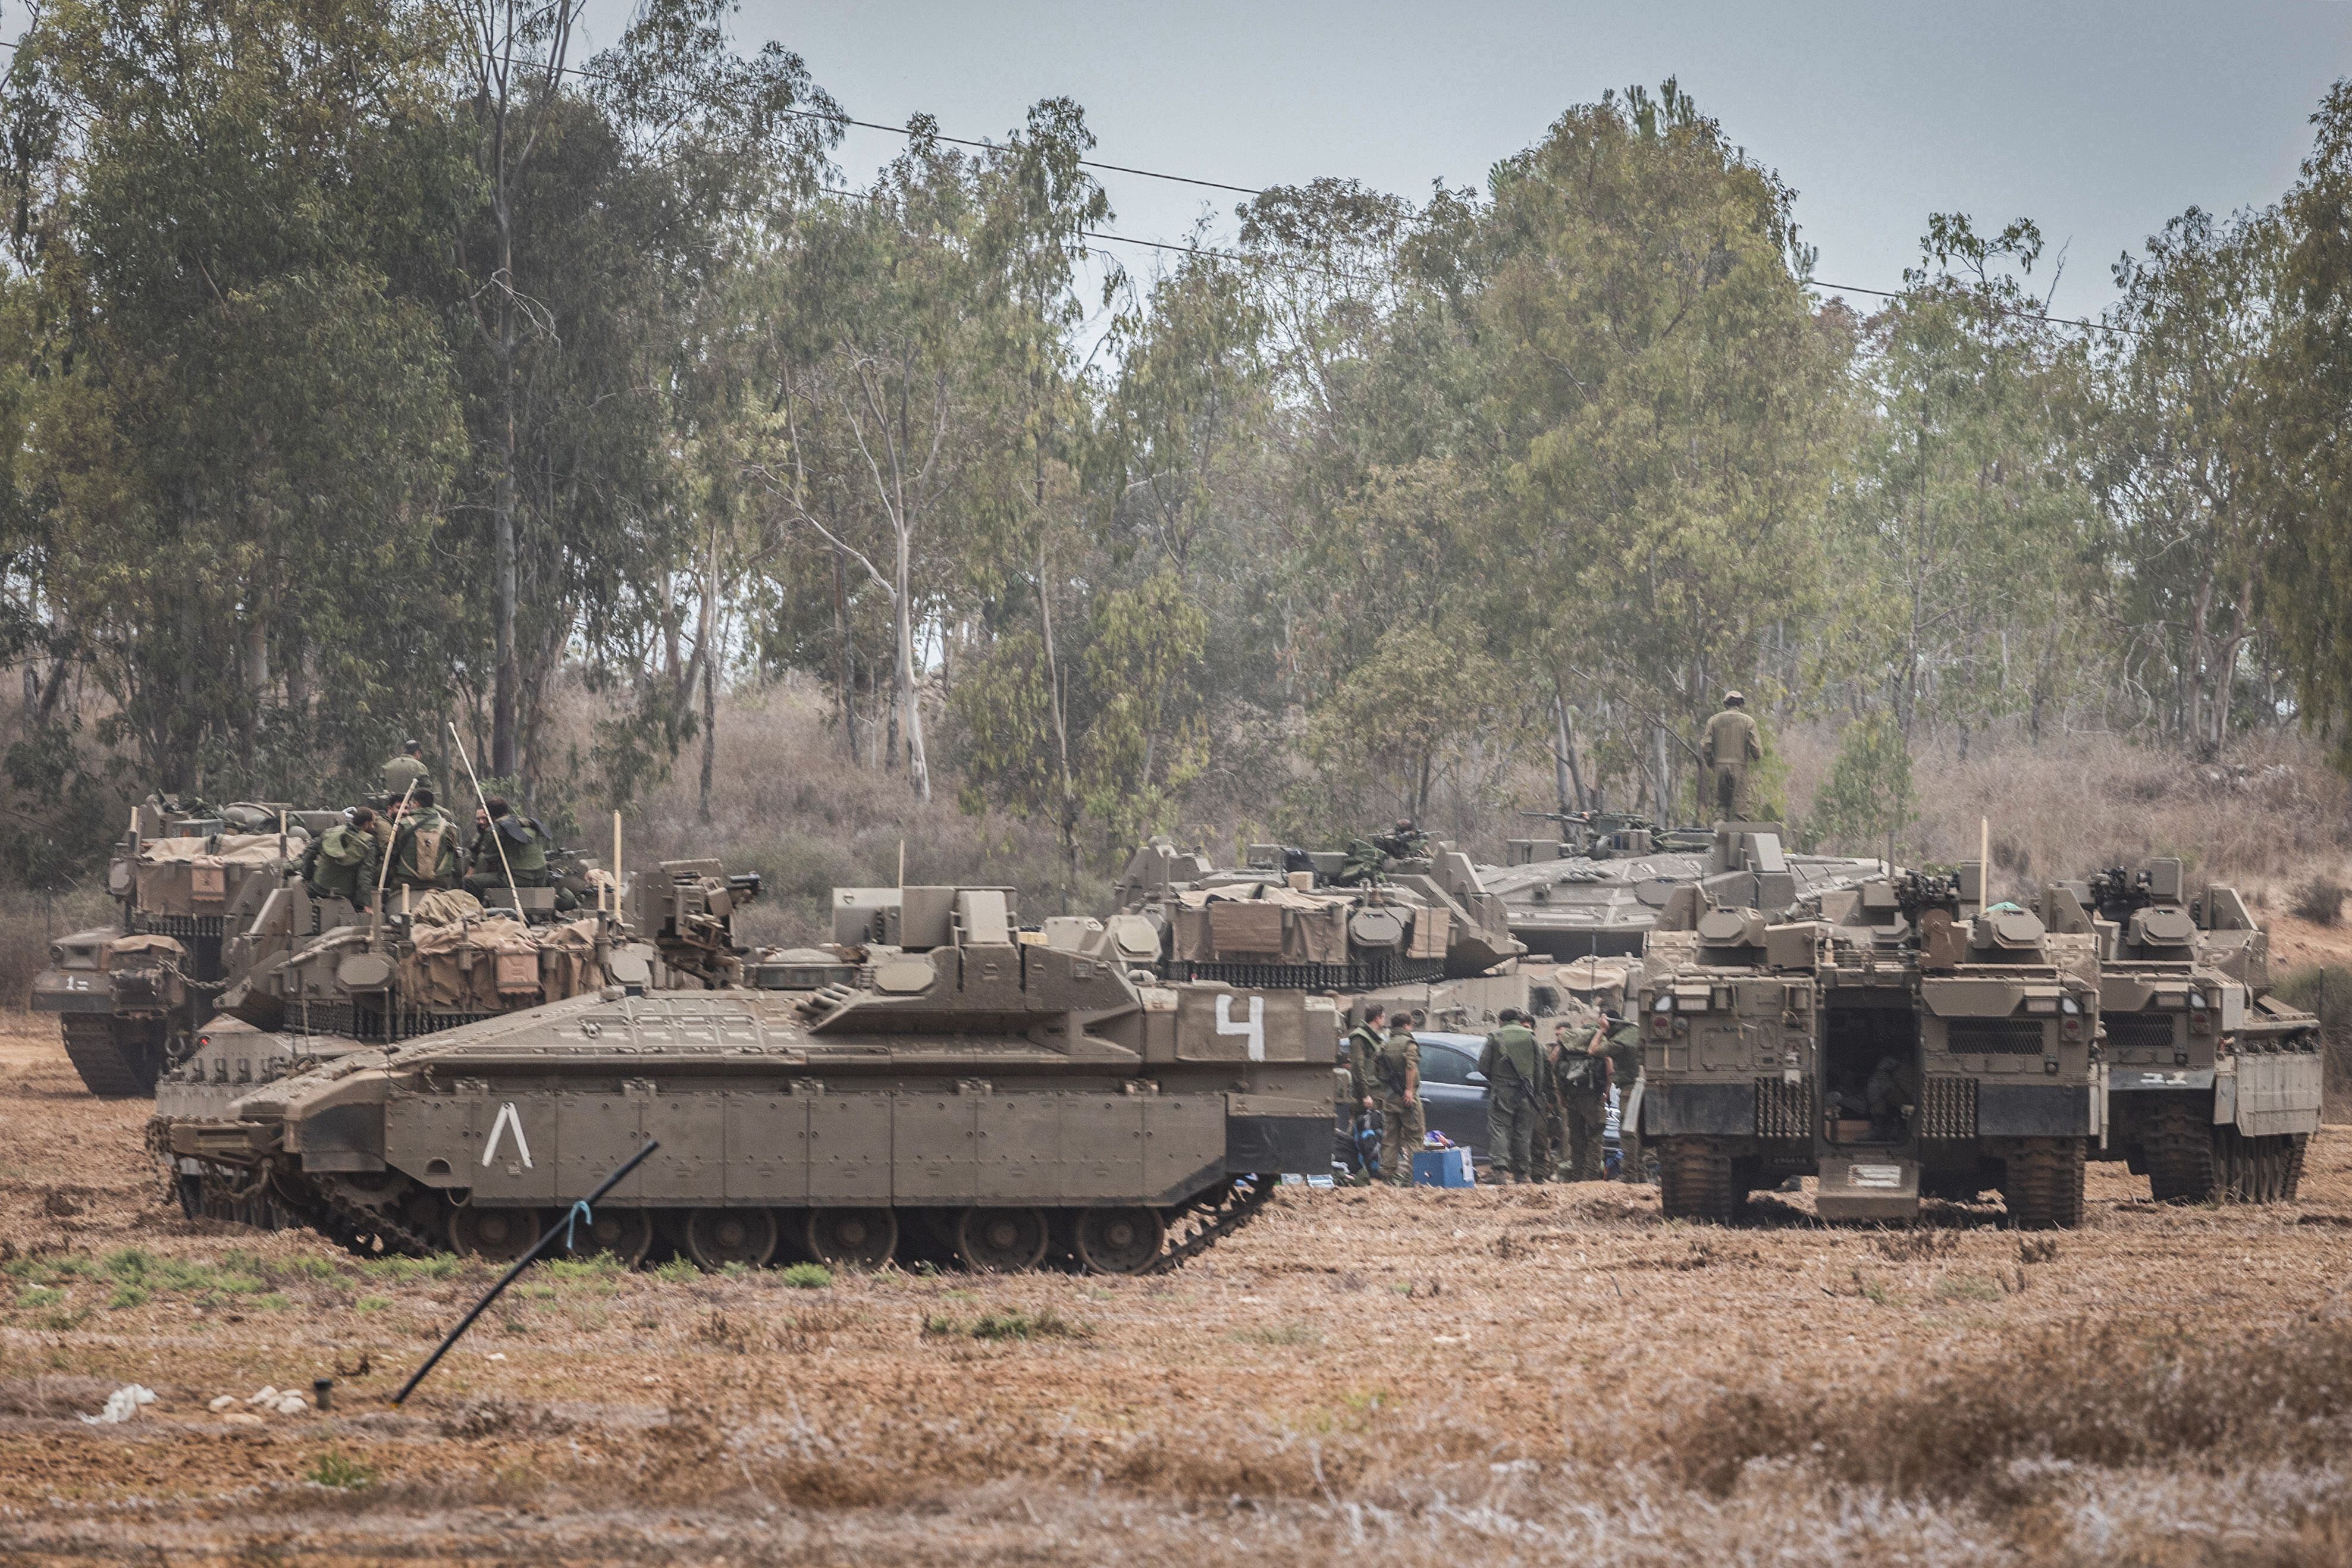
{"x":507,"y":1118}
{"x":1254,"y":1030}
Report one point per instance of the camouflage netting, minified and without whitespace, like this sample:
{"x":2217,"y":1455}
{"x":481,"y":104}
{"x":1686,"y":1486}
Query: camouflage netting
{"x":191,"y":876}
{"x":474,"y":965}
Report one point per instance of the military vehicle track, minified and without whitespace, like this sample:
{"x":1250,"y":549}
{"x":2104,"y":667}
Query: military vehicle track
{"x":112,"y":1068}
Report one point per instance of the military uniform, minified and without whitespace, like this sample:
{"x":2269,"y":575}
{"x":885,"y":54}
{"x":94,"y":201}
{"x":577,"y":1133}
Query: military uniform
{"x":1730,"y":750}
{"x":1513,"y":1064}
{"x":425,"y":852}
{"x":526,"y":845}
{"x":402,"y":770}
{"x":1396,"y":1072}
{"x":1580,"y":1087}
{"x":1355,"y":1081}
{"x":342,"y":863}
{"x":1624,"y":1053}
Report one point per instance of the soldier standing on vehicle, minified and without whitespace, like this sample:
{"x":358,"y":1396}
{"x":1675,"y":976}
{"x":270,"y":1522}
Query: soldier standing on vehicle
{"x":424,"y":854}
{"x":1618,"y":1044}
{"x":1729,"y":751}
{"x":406,"y":768}
{"x":1396,"y":1091}
{"x":524,"y":840}
{"x":1513,"y":1064}
{"x":1580,"y":1086}
{"x":341,"y":862}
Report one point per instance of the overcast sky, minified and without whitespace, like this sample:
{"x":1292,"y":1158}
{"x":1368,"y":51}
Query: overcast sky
{"x":2097,"y":120}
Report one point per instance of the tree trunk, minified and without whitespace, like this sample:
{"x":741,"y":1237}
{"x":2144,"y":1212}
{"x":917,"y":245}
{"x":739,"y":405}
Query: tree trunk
{"x":918,"y":762}
{"x":844,"y":665}
{"x":1069,"y":812}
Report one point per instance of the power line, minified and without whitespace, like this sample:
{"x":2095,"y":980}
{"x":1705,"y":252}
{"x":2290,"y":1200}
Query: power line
{"x":1255,"y":191}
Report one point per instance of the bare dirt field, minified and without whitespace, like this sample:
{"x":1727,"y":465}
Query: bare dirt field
{"x":1551,"y":1374}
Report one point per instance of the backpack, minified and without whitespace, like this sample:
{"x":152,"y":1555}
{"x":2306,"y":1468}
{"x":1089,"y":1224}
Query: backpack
{"x":1389,"y":1068}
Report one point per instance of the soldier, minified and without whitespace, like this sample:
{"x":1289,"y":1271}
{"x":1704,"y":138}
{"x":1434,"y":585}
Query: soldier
{"x":424,"y":854}
{"x":526,"y":844}
{"x":1619,"y":1044}
{"x":1580,"y":1087}
{"x":341,"y":862}
{"x":1730,"y":750}
{"x":407,"y":767}
{"x":1396,"y":1089}
{"x":1403,"y":842}
{"x":1363,"y":1049}
{"x":1513,"y":1064}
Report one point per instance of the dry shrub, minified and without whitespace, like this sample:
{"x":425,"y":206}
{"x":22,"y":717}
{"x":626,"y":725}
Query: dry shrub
{"x":2114,"y":1396}
{"x":2319,"y":900}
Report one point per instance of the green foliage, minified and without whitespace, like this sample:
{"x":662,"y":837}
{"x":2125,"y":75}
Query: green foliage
{"x":1007,"y":1324}
{"x":806,"y":1276}
{"x":1421,"y":703}
{"x":1868,"y":796}
{"x":337,"y":1468}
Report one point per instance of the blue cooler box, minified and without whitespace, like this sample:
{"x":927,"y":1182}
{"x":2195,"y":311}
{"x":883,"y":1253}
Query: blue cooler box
{"x":1442,"y":1168}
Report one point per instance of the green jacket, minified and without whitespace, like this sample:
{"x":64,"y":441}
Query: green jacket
{"x":1397,"y":1066}
{"x":1363,"y":1046}
{"x":435,"y":837}
{"x":398,"y":771}
{"x":341,"y":864}
{"x":1514,"y":1064}
{"x":1576,"y":1075}
{"x":526,"y":845}
{"x":1624,"y":1052}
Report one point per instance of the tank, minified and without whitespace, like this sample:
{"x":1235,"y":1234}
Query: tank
{"x":186,"y":878}
{"x":969,"y":1090}
{"x":2213,"y":1083}
{"x":1595,"y":891}
{"x":1295,"y":918}
{"x":1898,"y":1038}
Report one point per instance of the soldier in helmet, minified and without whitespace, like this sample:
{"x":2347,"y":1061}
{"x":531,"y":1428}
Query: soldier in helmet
{"x":1516,"y":1086}
{"x":1730,"y":752}
{"x":1403,"y":841}
{"x":407,"y":768}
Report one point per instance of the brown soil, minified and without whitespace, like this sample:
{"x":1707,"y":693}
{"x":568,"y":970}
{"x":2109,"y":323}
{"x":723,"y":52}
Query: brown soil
{"x":1547,"y":1375}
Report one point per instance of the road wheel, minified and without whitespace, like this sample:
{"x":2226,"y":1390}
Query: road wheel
{"x":1119,"y":1241}
{"x":496,"y":1236}
{"x":717,"y":1237}
{"x":852,"y":1238}
{"x":1000,"y":1241}
{"x":627,"y":1234}
{"x":1695,"y":1180}
{"x":2179,"y":1147}
{"x":2044,"y":1187}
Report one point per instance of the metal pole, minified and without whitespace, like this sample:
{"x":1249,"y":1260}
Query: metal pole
{"x":383,"y":872}
{"x":525,"y":1261}
{"x":497,"y":841}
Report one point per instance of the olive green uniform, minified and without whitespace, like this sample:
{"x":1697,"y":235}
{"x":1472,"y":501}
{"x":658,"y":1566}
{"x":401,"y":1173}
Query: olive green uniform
{"x":1581,"y":1089}
{"x":526,"y":855}
{"x":342,"y":863}
{"x":1354,"y":1081}
{"x":1730,"y":750}
{"x":402,"y":770}
{"x":1513,"y":1064}
{"x":425,"y":852}
{"x":1396,"y":1071}
{"x":1624,"y":1053}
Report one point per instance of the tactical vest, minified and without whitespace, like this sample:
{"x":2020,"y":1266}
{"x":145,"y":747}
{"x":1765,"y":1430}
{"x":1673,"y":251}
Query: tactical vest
{"x":1392,"y":1067}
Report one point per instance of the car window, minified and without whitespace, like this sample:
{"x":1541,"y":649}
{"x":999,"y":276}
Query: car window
{"x":1444,"y":1064}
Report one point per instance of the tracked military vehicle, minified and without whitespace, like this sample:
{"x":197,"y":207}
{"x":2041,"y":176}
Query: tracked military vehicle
{"x":1896,"y":1039}
{"x":130,"y":997}
{"x":2213,"y":1083}
{"x":1286,"y":920}
{"x":1597,"y":890}
{"x":966,"y":1087}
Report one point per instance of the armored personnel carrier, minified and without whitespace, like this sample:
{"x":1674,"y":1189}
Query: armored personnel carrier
{"x":130,"y":997}
{"x":966,"y":1087}
{"x":1596,"y":891}
{"x":2213,"y":1083}
{"x":1898,"y":1038}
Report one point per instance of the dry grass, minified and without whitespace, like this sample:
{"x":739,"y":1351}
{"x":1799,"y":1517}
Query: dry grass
{"x":2319,"y":900}
{"x":1520,"y":1375}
